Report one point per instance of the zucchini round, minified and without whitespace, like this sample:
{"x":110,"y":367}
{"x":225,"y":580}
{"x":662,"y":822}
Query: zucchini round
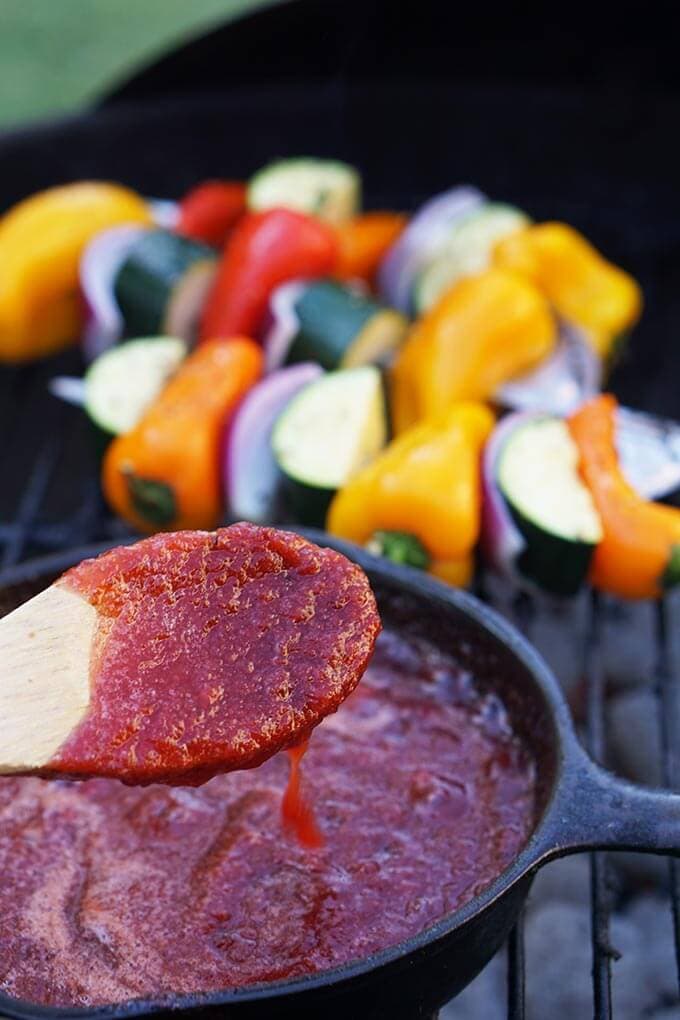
{"x":537,"y":474}
{"x":325,"y":188}
{"x":467,"y":251}
{"x":330,"y":430}
{"x":121,"y":383}
{"x":340,"y":328}
{"x":162,"y":285}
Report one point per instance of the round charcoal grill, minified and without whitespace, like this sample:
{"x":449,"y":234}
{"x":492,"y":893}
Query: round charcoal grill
{"x":565,"y":121}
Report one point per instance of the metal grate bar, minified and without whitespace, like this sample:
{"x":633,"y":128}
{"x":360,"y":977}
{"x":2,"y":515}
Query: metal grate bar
{"x":31,"y":501}
{"x":668,"y":700}
{"x":516,"y":972}
{"x":600,"y":899}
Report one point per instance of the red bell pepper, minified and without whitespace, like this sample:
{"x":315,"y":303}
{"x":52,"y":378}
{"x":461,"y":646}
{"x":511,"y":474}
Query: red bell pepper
{"x":209,"y":211}
{"x":265,"y":250}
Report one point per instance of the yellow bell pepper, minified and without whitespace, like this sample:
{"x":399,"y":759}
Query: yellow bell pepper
{"x":580,"y":284}
{"x":483,"y":331}
{"x":41,"y":241}
{"x":419,"y":501}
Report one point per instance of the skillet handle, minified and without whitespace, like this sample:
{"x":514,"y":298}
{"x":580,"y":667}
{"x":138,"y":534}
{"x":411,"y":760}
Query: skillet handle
{"x":595,"y":810}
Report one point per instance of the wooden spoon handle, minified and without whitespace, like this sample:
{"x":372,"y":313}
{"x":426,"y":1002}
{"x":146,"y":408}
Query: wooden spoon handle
{"x":45,"y":648}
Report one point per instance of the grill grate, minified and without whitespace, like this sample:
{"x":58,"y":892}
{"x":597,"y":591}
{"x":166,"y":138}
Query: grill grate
{"x":51,"y":501}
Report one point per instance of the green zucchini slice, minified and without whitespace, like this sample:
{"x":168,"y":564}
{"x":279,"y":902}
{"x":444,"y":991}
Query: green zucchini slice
{"x":325,"y":188}
{"x":163,"y":283}
{"x":121,"y":383}
{"x":328,"y":432}
{"x":467,"y":251}
{"x":538,"y":477}
{"x":340,"y":328}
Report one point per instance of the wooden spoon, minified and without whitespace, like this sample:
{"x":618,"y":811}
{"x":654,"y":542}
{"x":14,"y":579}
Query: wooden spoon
{"x":182,"y":656}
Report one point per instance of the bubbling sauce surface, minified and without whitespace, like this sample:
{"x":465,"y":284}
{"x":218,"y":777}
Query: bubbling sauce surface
{"x":422,"y":796}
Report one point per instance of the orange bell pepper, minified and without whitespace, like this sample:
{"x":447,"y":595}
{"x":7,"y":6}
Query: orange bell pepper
{"x":639,"y":555}
{"x":484,"y":330}
{"x":164,"y":475}
{"x":364,"y":241}
{"x":41,"y":241}
{"x":581,"y":285}
{"x":419,"y":501}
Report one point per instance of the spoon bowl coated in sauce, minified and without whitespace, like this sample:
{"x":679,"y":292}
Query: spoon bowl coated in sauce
{"x":182,"y":656}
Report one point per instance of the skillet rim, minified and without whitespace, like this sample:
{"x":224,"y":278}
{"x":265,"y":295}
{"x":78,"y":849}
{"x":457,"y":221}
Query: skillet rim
{"x":534,"y":850}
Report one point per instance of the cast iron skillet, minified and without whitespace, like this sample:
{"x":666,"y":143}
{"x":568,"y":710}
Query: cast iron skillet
{"x":579,"y":807}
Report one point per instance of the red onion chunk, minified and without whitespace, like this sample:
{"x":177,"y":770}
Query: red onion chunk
{"x":282,"y":324}
{"x":501,"y":541}
{"x":572,"y":374}
{"x":649,"y":451}
{"x":250,"y":474}
{"x":99,"y":265}
{"x":420,"y":241}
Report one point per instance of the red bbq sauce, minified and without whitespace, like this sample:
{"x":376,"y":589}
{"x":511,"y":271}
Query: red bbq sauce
{"x":215,"y":650}
{"x":296,"y":809}
{"x":419,"y":787}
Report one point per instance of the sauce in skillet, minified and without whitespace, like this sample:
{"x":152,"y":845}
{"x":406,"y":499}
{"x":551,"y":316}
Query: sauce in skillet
{"x":421,"y":794}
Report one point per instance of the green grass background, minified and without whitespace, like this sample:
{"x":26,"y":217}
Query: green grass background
{"x":56,"y":55}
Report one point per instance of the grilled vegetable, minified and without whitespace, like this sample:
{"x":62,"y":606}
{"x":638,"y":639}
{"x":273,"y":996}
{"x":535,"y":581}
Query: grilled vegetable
{"x":281,"y":323}
{"x":162,"y":285}
{"x":335,"y":326}
{"x":210,"y":210}
{"x":251,"y":476}
{"x":639,"y":555}
{"x":468,"y":250}
{"x":501,"y":540}
{"x":327,"y":433}
{"x":364,"y":241}
{"x":41,"y":242}
{"x":420,"y":242}
{"x":649,"y":447}
{"x":536,"y":471}
{"x":99,"y":267}
{"x":164,"y":474}
{"x":484,"y":331}
{"x":585,"y":289}
{"x":419,"y":501}
{"x":560,"y":383}
{"x":265,"y":250}
{"x":325,"y":188}
{"x":124,"y":381}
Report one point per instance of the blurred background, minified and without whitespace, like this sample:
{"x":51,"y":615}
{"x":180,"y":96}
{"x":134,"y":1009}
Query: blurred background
{"x":57,"y":56}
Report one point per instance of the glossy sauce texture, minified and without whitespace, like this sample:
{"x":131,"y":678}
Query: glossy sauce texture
{"x":214,"y":650}
{"x":420,"y":791}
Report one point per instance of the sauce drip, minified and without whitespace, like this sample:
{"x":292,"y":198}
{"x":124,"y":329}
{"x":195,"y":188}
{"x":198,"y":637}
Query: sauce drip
{"x":296,"y":810}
